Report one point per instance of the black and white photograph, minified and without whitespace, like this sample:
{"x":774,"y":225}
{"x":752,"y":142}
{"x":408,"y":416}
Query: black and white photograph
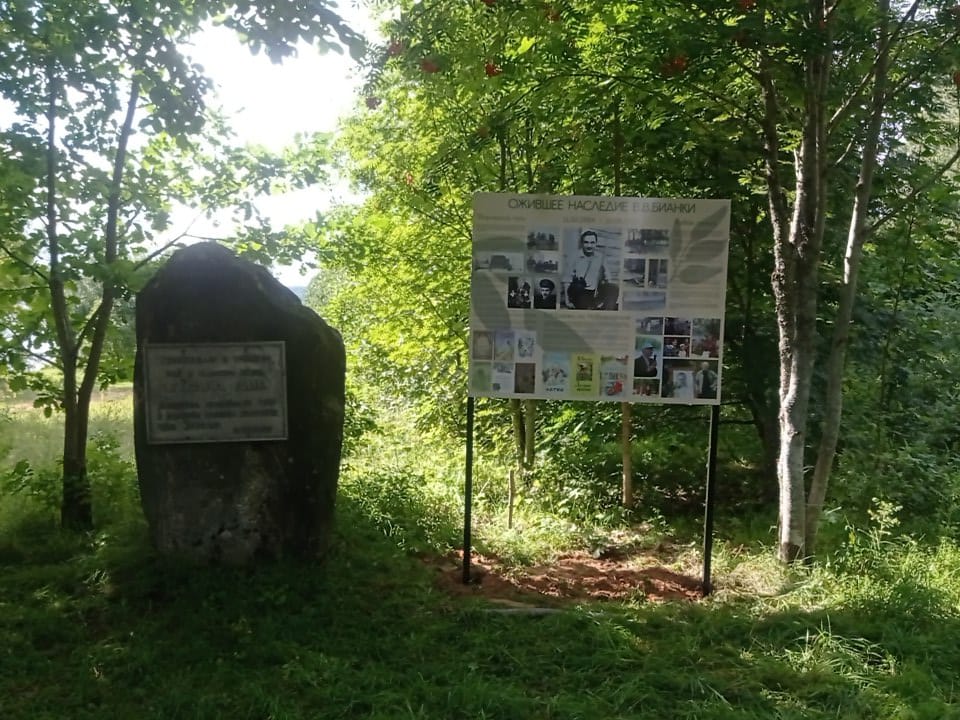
{"x":543,"y":262}
{"x":678,"y":379}
{"x":590,"y":274}
{"x":634,"y":273}
{"x":545,"y":294}
{"x":543,"y":239}
{"x":498,"y":261}
{"x":643,"y":241}
{"x":657,"y":273}
{"x":519,"y":292}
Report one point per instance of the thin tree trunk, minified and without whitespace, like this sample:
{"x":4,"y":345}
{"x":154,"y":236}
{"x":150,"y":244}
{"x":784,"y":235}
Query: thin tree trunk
{"x":856,"y":235}
{"x":626,"y":411}
{"x":884,"y":384}
{"x":795,"y":280}
{"x":529,"y":433}
{"x":76,"y":508}
{"x":784,"y":291}
{"x":519,"y":431}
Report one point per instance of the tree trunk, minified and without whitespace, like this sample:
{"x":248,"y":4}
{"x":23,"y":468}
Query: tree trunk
{"x":856,"y":235}
{"x":519,"y":431}
{"x":529,"y":433}
{"x":796,"y":274}
{"x":76,"y":508}
{"x":626,"y":413}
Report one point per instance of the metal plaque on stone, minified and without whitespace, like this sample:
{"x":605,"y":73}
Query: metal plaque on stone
{"x":215,"y":392}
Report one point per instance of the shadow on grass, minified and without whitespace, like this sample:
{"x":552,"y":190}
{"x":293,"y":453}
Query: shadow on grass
{"x":113,"y":631}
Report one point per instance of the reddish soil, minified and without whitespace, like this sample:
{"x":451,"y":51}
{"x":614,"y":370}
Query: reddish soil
{"x":571,"y":578}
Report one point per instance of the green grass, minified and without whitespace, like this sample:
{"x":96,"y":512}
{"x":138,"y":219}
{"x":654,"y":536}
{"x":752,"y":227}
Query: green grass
{"x":97,"y":626}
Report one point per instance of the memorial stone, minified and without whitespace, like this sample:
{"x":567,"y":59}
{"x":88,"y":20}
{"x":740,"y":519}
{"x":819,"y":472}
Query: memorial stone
{"x":238,"y":412}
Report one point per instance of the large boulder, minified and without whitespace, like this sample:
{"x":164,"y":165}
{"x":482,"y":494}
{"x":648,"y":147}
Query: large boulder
{"x":216,"y":500}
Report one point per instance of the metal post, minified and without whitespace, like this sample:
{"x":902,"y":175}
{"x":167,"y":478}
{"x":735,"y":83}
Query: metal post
{"x":468,"y":493}
{"x":709,"y":500}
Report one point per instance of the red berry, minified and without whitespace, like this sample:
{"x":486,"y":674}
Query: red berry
{"x":956,"y":78}
{"x":492,"y":69}
{"x":429,"y":65}
{"x":483,"y":131}
{"x":552,"y":14}
{"x":395,"y":48}
{"x":489,"y":3}
{"x":746,"y":4}
{"x":674,"y":66}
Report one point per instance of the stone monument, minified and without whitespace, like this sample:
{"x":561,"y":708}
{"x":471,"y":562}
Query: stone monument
{"x":238,"y":412}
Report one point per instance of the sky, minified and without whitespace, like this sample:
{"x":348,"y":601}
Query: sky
{"x":268,"y":104}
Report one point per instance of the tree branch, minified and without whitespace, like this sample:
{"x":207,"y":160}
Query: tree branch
{"x":938,"y":173}
{"x":30,"y":267}
{"x":843,"y":111}
{"x":102,"y":313}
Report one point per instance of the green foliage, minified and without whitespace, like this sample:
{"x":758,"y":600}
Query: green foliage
{"x":652,"y":100}
{"x":110,"y":132}
{"x":40,"y":487}
{"x":113,"y":478}
{"x":97,"y":625}
{"x":417,"y":512}
{"x":902,"y":393}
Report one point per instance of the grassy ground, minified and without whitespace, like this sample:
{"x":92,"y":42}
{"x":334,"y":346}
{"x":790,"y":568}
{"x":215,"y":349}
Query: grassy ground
{"x":98,"y":626}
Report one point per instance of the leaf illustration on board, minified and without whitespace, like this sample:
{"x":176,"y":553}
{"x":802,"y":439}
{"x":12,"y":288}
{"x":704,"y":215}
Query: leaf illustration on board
{"x":695,"y":274}
{"x":705,"y":250}
{"x":708,"y":225}
{"x":701,"y":257}
{"x":489,"y":307}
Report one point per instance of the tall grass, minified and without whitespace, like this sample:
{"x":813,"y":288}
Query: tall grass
{"x":96,"y":625}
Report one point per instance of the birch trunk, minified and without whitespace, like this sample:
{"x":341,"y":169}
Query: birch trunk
{"x":856,"y":234}
{"x":796,"y":277}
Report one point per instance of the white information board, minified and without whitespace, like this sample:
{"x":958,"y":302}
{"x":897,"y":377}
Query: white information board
{"x":215,"y":392}
{"x":598,"y":298}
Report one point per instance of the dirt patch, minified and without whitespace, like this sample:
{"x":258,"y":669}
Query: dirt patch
{"x":572,"y":577}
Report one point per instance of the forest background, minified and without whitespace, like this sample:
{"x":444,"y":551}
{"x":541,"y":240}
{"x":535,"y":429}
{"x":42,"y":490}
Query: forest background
{"x":833,"y":128}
